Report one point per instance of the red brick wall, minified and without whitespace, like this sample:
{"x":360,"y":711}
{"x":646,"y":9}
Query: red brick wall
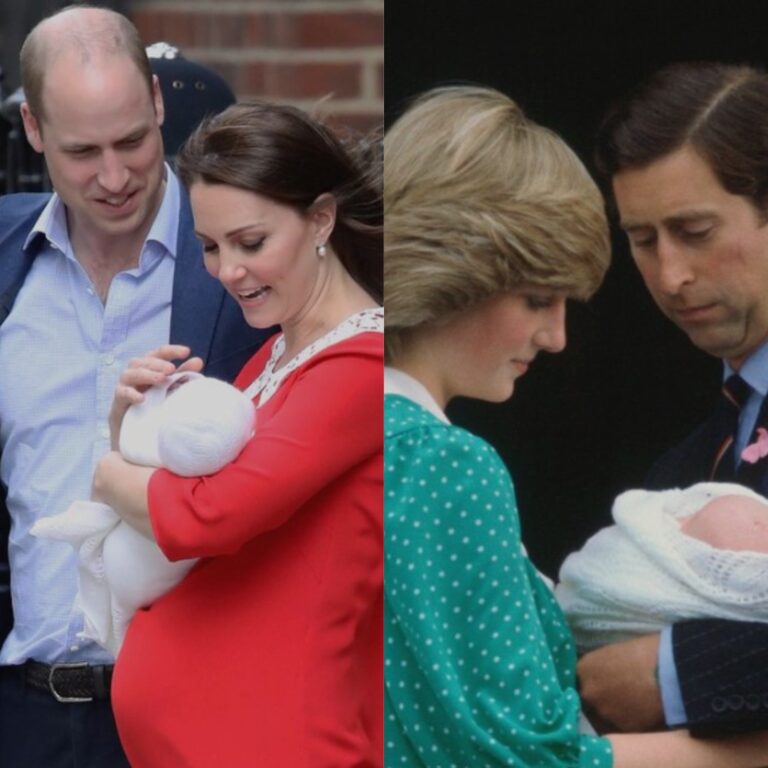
{"x":296,"y":51}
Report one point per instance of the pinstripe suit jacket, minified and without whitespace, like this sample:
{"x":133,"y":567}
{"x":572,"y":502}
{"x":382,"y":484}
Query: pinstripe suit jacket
{"x":722,"y":665}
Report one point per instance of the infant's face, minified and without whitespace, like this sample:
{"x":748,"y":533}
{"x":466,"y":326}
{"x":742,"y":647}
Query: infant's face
{"x":732,"y":522}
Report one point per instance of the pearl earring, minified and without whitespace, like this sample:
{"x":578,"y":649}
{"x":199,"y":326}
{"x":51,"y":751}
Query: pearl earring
{"x":321,"y":250}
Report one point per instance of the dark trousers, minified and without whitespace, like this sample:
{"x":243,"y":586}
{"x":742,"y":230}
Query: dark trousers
{"x":36,"y":731}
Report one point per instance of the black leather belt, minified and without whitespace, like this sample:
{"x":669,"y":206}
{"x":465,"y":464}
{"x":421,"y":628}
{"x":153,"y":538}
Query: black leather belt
{"x":70,"y":683}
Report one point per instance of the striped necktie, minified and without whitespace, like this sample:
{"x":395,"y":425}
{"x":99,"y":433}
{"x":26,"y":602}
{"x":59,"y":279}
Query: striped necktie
{"x":734,"y":395}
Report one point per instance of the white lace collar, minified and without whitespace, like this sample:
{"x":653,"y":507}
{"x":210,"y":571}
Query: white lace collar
{"x":266,"y":384}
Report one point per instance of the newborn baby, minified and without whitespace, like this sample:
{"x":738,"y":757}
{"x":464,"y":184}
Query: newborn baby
{"x":735,"y":521}
{"x":700,"y":552}
{"x":190,"y":425}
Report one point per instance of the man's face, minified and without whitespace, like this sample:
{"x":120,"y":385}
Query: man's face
{"x":702,"y":252}
{"x":102,"y":144}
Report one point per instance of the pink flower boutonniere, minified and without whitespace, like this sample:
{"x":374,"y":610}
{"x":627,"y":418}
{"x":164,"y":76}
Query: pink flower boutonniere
{"x":755,"y":451}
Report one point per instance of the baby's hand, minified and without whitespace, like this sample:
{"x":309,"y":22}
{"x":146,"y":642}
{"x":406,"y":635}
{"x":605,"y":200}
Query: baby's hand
{"x":143,"y":373}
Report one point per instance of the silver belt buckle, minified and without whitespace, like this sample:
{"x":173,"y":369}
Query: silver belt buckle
{"x":56,"y":694}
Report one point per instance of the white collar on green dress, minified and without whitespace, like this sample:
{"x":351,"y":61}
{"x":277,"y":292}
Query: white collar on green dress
{"x":398,"y":383}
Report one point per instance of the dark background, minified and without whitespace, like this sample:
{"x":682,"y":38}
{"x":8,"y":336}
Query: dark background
{"x":587,"y":423}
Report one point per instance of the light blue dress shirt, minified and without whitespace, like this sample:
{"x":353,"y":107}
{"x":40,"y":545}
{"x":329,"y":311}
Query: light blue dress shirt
{"x":61,"y":354}
{"x":755,"y":373}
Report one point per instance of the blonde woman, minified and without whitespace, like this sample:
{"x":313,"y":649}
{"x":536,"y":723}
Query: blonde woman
{"x":492,"y":223}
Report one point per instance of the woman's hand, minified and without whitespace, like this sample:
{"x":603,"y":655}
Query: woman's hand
{"x":143,"y":373}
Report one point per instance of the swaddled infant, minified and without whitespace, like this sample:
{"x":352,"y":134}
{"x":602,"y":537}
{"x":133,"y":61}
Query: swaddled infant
{"x":191,"y":425}
{"x":735,"y":521}
{"x":700,"y":552}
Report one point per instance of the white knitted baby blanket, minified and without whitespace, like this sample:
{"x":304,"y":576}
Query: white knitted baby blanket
{"x":643,"y":573}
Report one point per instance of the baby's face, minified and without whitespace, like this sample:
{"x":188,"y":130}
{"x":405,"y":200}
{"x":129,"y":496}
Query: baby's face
{"x":732,"y":522}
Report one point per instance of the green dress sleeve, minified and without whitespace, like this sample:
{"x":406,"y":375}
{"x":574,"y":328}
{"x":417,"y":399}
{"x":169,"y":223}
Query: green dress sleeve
{"x":480,"y":665}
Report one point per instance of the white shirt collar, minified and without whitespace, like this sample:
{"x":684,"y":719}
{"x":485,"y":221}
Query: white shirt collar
{"x":754,"y":370}
{"x":398,"y":383}
{"x":52,"y":221}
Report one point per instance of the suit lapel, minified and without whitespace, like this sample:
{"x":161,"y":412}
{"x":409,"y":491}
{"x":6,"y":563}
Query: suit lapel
{"x":197,"y":297}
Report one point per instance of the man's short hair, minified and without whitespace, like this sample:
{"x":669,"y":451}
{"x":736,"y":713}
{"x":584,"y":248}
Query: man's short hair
{"x":112,"y":33}
{"x":719,"y":110}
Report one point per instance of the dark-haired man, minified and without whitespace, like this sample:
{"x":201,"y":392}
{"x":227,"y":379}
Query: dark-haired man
{"x":687,"y":157}
{"x":102,"y":271}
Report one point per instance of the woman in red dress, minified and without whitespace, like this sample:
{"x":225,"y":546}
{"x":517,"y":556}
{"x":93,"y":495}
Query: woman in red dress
{"x":269,"y":652}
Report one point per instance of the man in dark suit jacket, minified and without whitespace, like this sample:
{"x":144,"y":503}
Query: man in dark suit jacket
{"x":687,"y":157}
{"x":102,"y":271}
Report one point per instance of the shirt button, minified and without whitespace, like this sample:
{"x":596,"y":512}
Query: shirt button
{"x":74,"y":648}
{"x":718,"y":704}
{"x":104,"y":432}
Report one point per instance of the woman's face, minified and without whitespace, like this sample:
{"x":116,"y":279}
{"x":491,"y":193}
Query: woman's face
{"x":492,"y":345}
{"x":264,"y":253}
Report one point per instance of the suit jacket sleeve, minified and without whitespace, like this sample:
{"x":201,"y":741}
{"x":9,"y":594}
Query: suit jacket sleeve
{"x":723,"y":671}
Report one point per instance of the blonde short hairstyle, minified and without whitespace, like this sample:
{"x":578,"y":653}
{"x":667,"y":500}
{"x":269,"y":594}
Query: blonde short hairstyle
{"x":478,"y":201}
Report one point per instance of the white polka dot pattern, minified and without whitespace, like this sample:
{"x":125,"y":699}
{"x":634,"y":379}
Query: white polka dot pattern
{"x":479,"y":663}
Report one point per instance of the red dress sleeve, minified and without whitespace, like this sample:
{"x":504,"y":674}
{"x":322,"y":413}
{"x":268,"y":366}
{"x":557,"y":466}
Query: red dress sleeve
{"x":324,"y":420}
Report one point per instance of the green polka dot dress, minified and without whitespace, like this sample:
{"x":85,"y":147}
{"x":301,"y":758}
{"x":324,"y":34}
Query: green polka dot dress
{"x":479,"y":664}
